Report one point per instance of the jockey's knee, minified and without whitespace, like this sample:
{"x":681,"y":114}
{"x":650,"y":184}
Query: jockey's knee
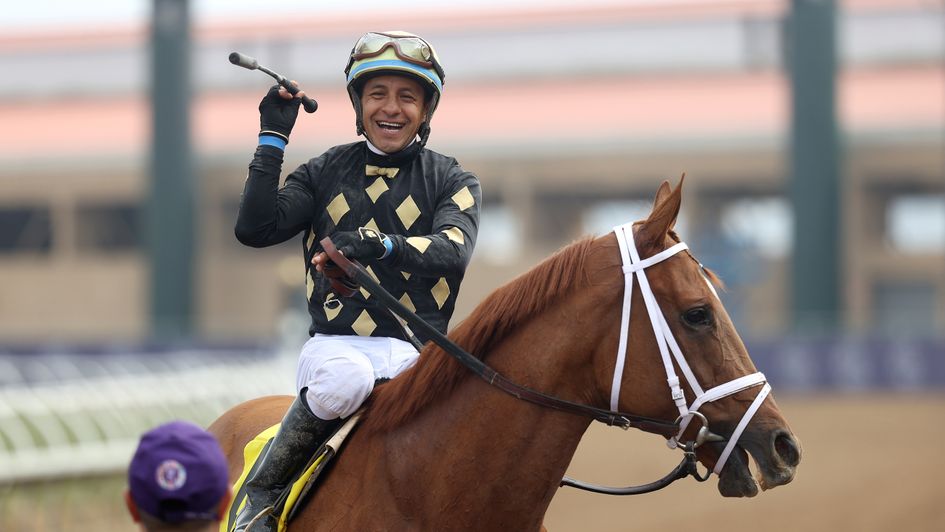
{"x":339,"y":387}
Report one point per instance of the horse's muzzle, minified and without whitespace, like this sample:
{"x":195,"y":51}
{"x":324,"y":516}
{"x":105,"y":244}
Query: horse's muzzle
{"x":776,"y":454}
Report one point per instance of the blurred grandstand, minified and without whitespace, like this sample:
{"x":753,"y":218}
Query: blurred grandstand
{"x":571,"y":116}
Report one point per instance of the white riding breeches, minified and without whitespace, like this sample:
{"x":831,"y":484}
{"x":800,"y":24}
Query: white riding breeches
{"x":339,"y":371}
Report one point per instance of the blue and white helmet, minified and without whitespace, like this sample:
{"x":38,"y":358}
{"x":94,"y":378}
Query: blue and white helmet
{"x":395,"y":52}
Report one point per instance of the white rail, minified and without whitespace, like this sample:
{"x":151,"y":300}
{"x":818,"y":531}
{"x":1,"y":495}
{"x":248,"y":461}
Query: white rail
{"x":71,"y":424}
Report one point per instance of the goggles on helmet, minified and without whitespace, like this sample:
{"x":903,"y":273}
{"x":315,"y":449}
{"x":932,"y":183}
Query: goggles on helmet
{"x":411,"y":49}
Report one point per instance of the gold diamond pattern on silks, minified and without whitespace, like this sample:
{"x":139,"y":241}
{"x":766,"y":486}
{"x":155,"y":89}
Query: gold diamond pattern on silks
{"x":371,"y":224}
{"x":364,"y":325}
{"x":332,"y":306}
{"x":405,"y":301}
{"x":408,"y":212}
{"x":440,"y":291}
{"x":311,"y":239}
{"x":419,"y":242}
{"x":309,"y":284}
{"x":464,"y":199}
{"x":406,"y":275}
{"x":377,"y":188}
{"x":455,"y":234}
{"x":338,"y":208}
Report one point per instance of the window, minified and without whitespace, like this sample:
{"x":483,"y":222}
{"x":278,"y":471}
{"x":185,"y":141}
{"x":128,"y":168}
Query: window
{"x":901,"y":307}
{"x":762,"y":224}
{"x":916,"y":224}
{"x":114,"y":227}
{"x":603,"y":216}
{"x":25,"y":229}
{"x":500,"y":234}
{"x":564,"y":215}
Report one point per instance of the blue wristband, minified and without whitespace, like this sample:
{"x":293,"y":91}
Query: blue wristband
{"x":388,"y":246}
{"x":272,"y":140}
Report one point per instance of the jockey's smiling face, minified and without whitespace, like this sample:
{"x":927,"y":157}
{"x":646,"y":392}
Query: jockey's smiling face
{"x":393,"y":109}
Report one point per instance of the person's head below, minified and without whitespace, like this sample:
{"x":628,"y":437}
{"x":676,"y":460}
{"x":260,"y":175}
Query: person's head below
{"x":395,"y":81}
{"x":178,"y":480}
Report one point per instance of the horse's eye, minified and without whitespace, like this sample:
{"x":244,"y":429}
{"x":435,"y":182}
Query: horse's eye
{"x":698,"y":316}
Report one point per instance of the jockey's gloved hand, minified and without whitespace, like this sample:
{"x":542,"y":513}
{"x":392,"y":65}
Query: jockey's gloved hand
{"x":277,"y":115}
{"x":365,"y":245}
{"x":340,"y":282}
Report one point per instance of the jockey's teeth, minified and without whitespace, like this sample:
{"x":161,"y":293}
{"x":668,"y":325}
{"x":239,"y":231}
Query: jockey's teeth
{"x":390,"y":125}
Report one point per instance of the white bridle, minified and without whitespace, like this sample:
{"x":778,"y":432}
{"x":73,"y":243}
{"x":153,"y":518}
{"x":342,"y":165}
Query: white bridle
{"x":664,"y":339}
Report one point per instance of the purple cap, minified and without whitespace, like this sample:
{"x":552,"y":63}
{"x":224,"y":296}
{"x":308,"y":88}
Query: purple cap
{"x":178,"y":473}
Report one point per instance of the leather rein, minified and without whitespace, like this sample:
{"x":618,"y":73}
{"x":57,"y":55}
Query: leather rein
{"x":688,"y":466}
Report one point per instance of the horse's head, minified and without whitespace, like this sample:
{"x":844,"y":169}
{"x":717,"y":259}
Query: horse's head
{"x":716,"y":373}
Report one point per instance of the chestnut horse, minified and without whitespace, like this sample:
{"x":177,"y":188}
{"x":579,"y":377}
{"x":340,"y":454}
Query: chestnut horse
{"x":442,"y":450}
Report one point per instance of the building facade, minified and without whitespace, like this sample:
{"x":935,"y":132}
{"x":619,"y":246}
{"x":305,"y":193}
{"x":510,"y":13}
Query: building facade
{"x":571,"y":116}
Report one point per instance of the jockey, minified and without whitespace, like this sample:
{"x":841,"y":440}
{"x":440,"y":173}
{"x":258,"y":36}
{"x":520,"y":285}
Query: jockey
{"x":409,"y":214}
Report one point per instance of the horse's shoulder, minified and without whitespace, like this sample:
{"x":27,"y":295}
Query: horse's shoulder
{"x":253,"y":414}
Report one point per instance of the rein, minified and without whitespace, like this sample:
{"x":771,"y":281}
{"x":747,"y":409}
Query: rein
{"x":632,"y":265}
{"x":623,"y":420}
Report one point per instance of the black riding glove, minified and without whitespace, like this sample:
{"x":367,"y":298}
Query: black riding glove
{"x":365,"y":245}
{"x":277,"y":115}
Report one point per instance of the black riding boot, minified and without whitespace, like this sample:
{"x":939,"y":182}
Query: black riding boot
{"x":298,"y":438}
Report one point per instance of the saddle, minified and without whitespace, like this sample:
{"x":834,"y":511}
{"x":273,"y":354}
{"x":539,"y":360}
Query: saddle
{"x":297,"y":493}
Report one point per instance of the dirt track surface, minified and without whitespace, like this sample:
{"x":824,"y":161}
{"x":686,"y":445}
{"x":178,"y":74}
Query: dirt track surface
{"x":870,"y":463}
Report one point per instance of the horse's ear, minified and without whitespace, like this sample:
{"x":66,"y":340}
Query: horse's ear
{"x":662,"y":193}
{"x":663,"y":217}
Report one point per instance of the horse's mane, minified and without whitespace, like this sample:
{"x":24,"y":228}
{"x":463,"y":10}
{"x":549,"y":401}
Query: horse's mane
{"x":436,"y":373}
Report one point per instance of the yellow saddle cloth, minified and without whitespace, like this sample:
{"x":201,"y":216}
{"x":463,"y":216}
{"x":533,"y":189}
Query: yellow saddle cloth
{"x":255,"y":449}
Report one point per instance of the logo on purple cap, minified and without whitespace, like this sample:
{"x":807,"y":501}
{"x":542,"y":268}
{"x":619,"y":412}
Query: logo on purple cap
{"x":171,"y":475}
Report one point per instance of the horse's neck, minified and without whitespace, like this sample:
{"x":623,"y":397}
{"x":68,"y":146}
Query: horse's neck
{"x":490,"y":457}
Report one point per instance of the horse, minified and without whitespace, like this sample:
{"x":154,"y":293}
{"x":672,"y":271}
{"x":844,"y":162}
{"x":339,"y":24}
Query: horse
{"x":438,"y":449}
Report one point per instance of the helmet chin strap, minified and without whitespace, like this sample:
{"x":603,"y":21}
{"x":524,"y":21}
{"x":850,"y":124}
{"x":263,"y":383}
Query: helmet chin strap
{"x":424,"y":132}
{"x":634,"y":265}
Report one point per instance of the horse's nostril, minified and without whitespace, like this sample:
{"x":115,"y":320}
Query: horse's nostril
{"x":786,"y":448}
